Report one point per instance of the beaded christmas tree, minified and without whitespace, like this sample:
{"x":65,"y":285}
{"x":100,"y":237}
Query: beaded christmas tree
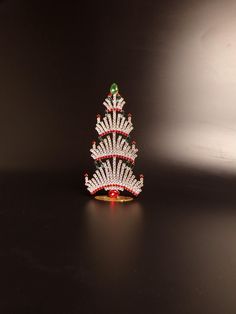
{"x":114,"y":156}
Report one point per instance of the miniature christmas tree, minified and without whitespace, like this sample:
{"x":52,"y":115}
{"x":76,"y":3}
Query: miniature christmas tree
{"x":114,"y":156}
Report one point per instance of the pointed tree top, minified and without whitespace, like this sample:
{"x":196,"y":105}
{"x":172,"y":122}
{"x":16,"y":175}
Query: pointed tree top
{"x":114,"y":89}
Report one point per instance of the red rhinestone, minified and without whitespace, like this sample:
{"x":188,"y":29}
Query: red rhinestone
{"x":113,"y":193}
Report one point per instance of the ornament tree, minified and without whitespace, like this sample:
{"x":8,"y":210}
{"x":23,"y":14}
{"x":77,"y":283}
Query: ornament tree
{"x":114,"y":156}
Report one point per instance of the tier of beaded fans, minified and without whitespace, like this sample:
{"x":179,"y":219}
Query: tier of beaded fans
{"x":114,"y":156}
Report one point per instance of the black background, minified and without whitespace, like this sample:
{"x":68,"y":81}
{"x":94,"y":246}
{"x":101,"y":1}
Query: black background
{"x":170,"y":251}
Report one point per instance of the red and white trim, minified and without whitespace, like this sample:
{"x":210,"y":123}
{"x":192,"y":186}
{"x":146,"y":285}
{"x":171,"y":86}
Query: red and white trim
{"x":114,"y":131}
{"x":114,"y":109}
{"x":131,"y":160}
{"x":113,"y":103}
{"x":114,"y":187}
{"x":114,"y":175}
{"x":114,"y":121}
{"x":114,"y":147}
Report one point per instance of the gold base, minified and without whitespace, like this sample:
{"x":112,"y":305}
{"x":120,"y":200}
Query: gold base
{"x":120,"y":199}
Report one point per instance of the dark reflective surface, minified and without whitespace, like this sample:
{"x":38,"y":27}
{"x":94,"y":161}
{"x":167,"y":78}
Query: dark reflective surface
{"x":114,"y":231}
{"x":170,"y":251}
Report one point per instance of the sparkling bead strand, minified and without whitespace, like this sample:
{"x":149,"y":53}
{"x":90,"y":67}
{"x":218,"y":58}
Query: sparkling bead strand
{"x":118,"y":103}
{"x":96,"y":179}
{"x":93,"y":153}
{"x":125,"y":147}
{"x":124,"y":151}
{"x":114,"y":100}
{"x":129,"y":152}
{"x":129,"y":181}
{"x":103,"y":126}
{"x":106,"y":172}
{"x":118,"y":142}
{"x":110,"y":171}
{"x":114,"y":170}
{"x":118,"y":121}
{"x":122,"y":104}
{"x":93,"y":184}
{"x":113,"y":120}
{"x":103,"y":171}
{"x":125,"y":126}
{"x":127,"y":169}
{"x":109,"y":121}
{"x":133,"y":183}
{"x":115,"y":105}
{"x":137,"y":185}
{"x":118,"y":171}
{"x":99,"y":183}
{"x":99,"y":151}
{"x":109,"y":103}
{"x":121,"y":124}
{"x":106,"y":123}
{"x":100,"y":177}
{"x":119,"y":150}
{"x":106,"y":144}
{"x":106,"y":105}
{"x":129,"y":176}
{"x":122,"y":172}
{"x":98,"y":129}
{"x":110,"y":145}
{"x":103,"y":175}
{"x":103,"y":148}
